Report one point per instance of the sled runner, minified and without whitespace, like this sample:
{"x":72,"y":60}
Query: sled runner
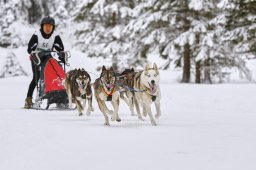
{"x":50,"y":85}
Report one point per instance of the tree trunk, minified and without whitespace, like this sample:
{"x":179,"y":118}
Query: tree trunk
{"x":115,"y":62}
{"x":198,"y":72}
{"x":198,"y":63}
{"x":207,"y":72}
{"x":186,"y":65}
{"x":34,"y":12}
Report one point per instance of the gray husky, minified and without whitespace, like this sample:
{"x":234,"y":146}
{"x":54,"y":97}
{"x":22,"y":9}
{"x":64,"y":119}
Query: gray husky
{"x":147,"y":82}
{"x":78,"y":88}
{"x":105,"y":89}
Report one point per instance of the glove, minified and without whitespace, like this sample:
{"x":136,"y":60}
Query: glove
{"x":34,"y":59}
{"x":62,"y":56}
{"x":61,"y":59}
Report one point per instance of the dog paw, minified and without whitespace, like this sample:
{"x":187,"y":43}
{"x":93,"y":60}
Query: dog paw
{"x":106,"y":124}
{"x":113,"y":118}
{"x":157,"y":116}
{"x":88,"y":113}
{"x":153,"y":123}
{"x":145,"y":114}
{"x":80,"y":114}
{"x":140,"y":118}
{"x":92,"y":109}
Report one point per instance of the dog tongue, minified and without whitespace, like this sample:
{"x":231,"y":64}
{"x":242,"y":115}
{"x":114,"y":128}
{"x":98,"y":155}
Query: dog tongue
{"x":109,"y":86}
{"x":81,"y":89}
{"x":152,"y":88}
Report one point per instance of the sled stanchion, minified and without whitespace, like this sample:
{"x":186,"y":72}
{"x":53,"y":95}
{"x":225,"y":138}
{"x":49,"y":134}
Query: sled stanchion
{"x":64,"y":66}
{"x":47,"y":107}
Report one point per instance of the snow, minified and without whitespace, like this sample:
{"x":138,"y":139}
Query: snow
{"x":196,"y":5}
{"x":202,"y":127}
{"x":99,"y":7}
{"x":226,"y":4}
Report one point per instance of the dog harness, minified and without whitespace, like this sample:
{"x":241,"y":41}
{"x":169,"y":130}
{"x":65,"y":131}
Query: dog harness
{"x":109,"y":95}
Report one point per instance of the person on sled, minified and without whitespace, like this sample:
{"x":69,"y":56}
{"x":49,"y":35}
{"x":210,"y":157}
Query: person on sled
{"x":43,"y":39}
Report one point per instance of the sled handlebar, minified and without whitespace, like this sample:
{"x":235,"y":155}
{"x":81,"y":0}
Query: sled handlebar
{"x":38,"y":60}
{"x":37,"y":55}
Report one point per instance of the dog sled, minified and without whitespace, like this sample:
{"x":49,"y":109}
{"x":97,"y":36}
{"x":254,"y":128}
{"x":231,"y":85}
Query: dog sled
{"x":50,"y":85}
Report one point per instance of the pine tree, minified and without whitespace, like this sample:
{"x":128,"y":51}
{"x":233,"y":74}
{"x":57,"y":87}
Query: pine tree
{"x":169,"y":29}
{"x":99,"y":32}
{"x":12,"y":67}
{"x":241,"y":25}
{"x":233,"y":42}
{"x":13,"y":14}
{"x":16,"y":15}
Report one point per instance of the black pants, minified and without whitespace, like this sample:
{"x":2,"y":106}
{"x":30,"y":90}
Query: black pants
{"x":33,"y":83}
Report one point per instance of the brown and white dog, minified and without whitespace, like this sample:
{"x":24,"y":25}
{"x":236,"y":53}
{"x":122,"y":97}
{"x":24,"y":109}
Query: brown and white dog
{"x":78,"y":87}
{"x":105,"y":89}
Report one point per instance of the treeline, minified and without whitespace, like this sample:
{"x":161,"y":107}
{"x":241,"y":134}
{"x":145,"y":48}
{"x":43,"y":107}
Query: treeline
{"x":204,"y":38}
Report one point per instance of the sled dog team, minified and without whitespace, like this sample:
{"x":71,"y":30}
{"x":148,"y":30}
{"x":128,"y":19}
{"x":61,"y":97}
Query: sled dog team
{"x":137,"y":89}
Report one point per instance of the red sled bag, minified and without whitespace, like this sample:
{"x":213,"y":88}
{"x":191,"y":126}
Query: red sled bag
{"x":55,"y":76}
{"x":51,"y":81}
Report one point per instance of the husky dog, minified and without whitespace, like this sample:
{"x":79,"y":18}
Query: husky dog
{"x":105,"y":89}
{"x":78,"y":88}
{"x":126,"y":81}
{"x":147,"y":82}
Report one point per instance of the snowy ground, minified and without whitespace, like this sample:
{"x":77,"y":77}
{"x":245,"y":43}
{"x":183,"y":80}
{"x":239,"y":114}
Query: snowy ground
{"x":203,"y":127}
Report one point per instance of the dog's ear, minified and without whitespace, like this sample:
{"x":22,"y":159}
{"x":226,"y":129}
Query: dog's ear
{"x":146,"y":67}
{"x":111,"y":68}
{"x":104,"y":68}
{"x":155,"y":67}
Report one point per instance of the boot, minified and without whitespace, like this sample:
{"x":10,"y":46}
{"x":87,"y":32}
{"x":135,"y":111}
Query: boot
{"x":28,"y":103}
